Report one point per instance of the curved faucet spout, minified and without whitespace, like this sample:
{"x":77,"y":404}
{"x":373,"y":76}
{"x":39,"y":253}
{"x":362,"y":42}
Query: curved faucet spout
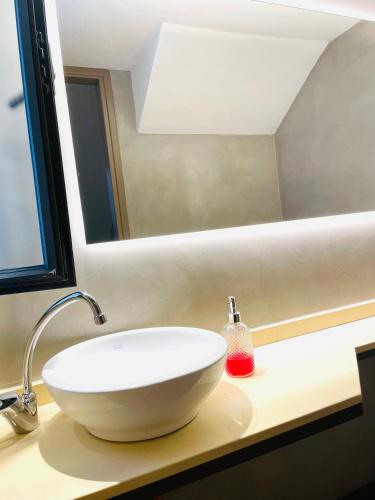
{"x":58,"y":306}
{"x":22,"y":411}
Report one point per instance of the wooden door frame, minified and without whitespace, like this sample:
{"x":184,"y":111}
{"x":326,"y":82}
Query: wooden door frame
{"x":75,"y":74}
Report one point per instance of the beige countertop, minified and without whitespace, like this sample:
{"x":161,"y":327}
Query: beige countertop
{"x":296,"y":382}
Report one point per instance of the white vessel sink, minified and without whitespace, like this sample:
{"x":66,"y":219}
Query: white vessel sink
{"x":138,"y":384}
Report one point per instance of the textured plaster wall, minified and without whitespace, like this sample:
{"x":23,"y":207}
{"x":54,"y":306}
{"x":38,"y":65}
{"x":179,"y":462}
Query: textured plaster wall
{"x":278,"y":271}
{"x":325,"y":144}
{"x":182,"y":183}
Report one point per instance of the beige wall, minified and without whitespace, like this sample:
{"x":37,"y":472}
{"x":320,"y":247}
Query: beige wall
{"x":325,"y":144}
{"x":278,"y":271}
{"x":181,"y":183}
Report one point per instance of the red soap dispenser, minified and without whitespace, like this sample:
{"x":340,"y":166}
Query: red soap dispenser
{"x":240,"y":356}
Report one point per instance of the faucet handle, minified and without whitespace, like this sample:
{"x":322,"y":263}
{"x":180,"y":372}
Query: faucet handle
{"x":8,"y":399}
{"x":22,"y":415}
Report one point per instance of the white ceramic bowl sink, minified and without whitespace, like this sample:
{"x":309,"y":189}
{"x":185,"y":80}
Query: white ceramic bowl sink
{"x":138,"y":384}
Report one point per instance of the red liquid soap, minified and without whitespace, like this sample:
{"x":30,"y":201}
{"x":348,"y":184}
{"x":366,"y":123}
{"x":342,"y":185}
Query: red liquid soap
{"x":240,"y":364}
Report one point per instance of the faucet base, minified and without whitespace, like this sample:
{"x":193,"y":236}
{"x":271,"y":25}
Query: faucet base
{"x":20,"y":411}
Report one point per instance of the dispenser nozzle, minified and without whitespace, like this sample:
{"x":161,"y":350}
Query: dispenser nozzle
{"x":234,"y":316}
{"x":232,"y":304}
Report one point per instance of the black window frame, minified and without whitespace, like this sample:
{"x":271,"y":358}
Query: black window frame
{"x":38,"y":76}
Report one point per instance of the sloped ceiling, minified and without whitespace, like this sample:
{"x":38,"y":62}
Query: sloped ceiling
{"x":200,"y":66}
{"x":204,"y":81}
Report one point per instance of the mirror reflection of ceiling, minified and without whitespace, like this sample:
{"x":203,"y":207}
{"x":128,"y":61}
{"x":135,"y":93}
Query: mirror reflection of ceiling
{"x":361,"y":9}
{"x":201,"y":67}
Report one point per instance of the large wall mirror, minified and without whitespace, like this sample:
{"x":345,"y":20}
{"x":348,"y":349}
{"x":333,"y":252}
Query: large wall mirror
{"x":35,"y":246}
{"x":190,"y":115}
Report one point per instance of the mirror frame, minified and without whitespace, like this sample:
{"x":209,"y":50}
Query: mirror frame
{"x":38,"y":76}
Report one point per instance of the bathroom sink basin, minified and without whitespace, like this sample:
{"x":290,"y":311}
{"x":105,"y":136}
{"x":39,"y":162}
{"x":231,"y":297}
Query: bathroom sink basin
{"x":138,"y":384}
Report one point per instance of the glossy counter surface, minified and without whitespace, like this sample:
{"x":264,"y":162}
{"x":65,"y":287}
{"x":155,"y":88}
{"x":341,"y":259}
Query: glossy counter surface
{"x":296,"y":382}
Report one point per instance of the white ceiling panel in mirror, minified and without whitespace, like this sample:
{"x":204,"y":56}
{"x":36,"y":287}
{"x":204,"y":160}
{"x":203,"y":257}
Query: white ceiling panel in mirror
{"x":205,"y":114}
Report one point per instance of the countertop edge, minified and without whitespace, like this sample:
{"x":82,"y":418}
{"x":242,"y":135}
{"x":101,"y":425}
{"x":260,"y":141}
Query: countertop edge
{"x":347,"y":342}
{"x":222,"y":451}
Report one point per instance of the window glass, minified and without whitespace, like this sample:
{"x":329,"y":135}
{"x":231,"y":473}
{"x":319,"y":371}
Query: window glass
{"x":21,"y":244}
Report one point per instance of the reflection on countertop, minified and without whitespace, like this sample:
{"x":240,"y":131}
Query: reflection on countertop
{"x":286,"y":391}
{"x":93,"y":459}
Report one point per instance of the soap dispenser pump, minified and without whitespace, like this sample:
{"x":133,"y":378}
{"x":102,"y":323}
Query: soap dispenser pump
{"x":240,"y":356}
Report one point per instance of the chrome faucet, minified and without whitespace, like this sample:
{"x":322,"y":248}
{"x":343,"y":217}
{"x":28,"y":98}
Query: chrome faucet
{"x":21,"y":411}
